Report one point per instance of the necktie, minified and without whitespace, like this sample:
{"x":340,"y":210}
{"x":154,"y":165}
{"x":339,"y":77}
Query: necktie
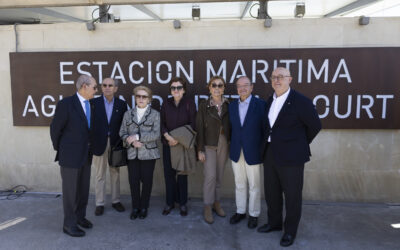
{"x":87,"y":108}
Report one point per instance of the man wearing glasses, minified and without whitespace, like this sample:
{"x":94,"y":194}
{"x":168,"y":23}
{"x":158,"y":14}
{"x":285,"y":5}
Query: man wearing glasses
{"x":291,"y":124}
{"x":246,"y":117}
{"x":70,"y":132}
{"x":107,"y":118}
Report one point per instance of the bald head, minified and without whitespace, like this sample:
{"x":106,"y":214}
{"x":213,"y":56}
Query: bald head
{"x":280,"y":80}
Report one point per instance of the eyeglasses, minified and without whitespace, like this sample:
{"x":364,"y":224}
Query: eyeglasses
{"x":107,"y":85}
{"x":141,"y":96}
{"x":173,"y":88}
{"x":214,"y":85}
{"x":243,"y":86}
{"x":279,"y":77}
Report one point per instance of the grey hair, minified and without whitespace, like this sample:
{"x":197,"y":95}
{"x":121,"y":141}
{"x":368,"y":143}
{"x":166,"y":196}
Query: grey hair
{"x":115,"y":82}
{"x":245,"y":77}
{"x":83,"y":79}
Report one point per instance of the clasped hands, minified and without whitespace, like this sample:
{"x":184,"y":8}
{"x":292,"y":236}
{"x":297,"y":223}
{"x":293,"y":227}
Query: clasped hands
{"x":131,"y":140}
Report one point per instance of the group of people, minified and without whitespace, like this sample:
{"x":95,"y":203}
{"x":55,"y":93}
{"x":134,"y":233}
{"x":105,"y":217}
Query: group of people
{"x":275,"y":133}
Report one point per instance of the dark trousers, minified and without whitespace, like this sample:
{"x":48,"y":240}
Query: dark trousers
{"x":141,"y":171}
{"x":75,"y":190}
{"x":176,"y":186}
{"x":279,"y":181}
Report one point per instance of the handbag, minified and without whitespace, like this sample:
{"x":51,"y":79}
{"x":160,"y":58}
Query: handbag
{"x":117,"y":156}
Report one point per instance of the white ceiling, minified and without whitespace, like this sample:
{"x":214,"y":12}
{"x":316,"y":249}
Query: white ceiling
{"x":219,"y":10}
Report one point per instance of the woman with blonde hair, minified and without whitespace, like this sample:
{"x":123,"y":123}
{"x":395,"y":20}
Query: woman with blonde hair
{"x":140,"y":131}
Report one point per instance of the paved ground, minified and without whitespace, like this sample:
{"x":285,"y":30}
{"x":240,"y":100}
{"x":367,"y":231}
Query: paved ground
{"x":34,"y":221}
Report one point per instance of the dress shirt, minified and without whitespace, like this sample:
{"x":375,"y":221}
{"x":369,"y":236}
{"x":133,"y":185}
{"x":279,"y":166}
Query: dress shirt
{"x":275,"y":108}
{"x":243,"y":107}
{"x":109,"y":108}
{"x":82,"y":100}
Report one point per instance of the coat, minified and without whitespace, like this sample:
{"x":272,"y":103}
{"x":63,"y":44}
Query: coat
{"x":70,"y":133}
{"x":209,"y":124}
{"x":183,"y":155}
{"x":148,"y":129}
{"x":295,"y":127}
{"x":248,"y":137}
{"x":101,"y":126}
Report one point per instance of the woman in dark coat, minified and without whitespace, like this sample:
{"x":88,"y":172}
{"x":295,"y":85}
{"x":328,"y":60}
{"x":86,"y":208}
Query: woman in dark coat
{"x":213,"y":128}
{"x":177,"y":111}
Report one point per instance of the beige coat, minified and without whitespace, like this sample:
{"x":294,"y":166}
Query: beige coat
{"x":183,"y":155}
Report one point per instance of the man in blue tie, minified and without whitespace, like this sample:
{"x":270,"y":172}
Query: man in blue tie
{"x":70,"y":135}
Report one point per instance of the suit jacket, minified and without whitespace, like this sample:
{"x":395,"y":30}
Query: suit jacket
{"x":70,"y":133}
{"x":295,"y":127}
{"x":248,"y":137}
{"x":148,"y":129}
{"x":101,"y":126}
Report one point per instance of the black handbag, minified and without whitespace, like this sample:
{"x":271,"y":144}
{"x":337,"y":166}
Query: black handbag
{"x":118,"y":157}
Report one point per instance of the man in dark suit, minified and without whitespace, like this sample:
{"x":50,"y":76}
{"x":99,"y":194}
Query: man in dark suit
{"x":246,"y":117}
{"x":291,"y":124}
{"x":107,"y":117}
{"x":70,"y":133}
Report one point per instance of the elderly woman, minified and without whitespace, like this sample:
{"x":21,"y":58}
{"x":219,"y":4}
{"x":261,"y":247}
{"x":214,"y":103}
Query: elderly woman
{"x":140,"y":131}
{"x":176,"y":112}
{"x":213,"y":128}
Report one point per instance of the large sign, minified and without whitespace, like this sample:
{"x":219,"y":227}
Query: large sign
{"x":352,"y":88}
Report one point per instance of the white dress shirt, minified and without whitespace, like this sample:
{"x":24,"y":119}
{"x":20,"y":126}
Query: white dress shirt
{"x":275,"y":108}
{"x":82,"y":100}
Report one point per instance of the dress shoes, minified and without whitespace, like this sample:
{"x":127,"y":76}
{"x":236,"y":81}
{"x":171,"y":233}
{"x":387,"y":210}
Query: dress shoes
{"x":143,"y":213}
{"x":287,"y":240}
{"x":167,"y":210}
{"x":85,"y":223}
{"x":183,"y":210}
{"x":118,"y":206}
{"x":266,"y":228}
{"x":134,"y":214}
{"x":252,"y":222}
{"x":236,"y":218}
{"x":99,"y":210}
{"x":74,"y":231}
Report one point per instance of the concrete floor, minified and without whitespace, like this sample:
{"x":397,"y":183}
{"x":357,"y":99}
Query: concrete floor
{"x":323,"y":226}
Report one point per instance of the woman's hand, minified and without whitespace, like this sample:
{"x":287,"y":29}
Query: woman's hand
{"x":137,"y":144}
{"x":201,"y":156}
{"x":130,"y":139}
{"x":170,"y":139}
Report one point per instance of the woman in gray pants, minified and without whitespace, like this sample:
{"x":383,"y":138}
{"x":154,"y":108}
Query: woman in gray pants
{"x":213,"y":128}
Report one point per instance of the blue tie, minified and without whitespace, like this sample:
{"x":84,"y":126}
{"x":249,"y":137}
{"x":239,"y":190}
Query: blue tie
{"x":87,"y":108}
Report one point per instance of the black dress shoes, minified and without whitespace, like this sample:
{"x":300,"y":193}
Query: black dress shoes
{"x":85,"y":223}
{"x":134,"y":214}
{"x":118,"y":206}
{"x":287,"y":240}
{"x":74,"y":231}
{"x":99,"y":210}
{"x":268,"y":228}
{"x":167,"y":210}
{"x":142,"y":213}
{"x":236,"y":218}
{"x":183,"y":210}
{"x":252,"y":222}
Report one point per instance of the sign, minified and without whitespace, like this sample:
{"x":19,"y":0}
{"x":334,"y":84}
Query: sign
{"x":352,"y":88}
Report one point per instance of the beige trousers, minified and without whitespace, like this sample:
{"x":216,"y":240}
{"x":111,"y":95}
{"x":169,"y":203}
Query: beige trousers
{"x":101,"y":165}
{"x":247,"y":175}
{"x":214,"y":166}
